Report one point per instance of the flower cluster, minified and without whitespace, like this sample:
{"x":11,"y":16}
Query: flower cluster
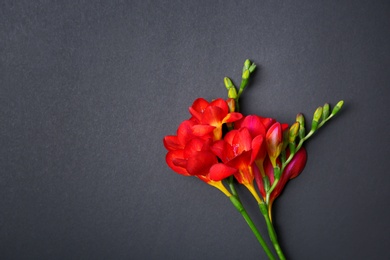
{"x":219,"y":143}
{"x":248,"y":151}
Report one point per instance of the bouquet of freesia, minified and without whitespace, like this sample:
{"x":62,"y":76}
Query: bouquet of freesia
{"x":218,"y":144}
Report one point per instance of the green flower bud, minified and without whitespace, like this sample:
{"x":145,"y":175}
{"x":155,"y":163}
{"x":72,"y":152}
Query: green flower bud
{"x":293,"y":132}
{"x":247,"y":64}
{"x":228,"y":83}
{"x":232,"y":93}
{"x":325,"y":111}
{"x":301,"y":120}
{"x":316,"y":118}
{"x":245,"y":74}
{"x":252,"y":67}
{"x":337,"y":108}
{"x":266,"y":182}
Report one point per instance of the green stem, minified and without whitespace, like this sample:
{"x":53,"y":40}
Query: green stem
{"x":237,"y":204}
{"x":271,"y":231}
{"x":231,"y":186}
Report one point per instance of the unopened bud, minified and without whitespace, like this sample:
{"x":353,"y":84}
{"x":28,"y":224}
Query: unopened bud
{"x":293,"y":132}
{"x":245,"y":74}
{"x":232,"y":93}
{"x":228,"y":83}
{"x":325,"y":111}
{"x":337,"y":108}
{"x":252,"y":67}
{"x":301,"y":120}
{"x":231,"y":104}
{"x":316,"y":118}
{"x":247,"y":64}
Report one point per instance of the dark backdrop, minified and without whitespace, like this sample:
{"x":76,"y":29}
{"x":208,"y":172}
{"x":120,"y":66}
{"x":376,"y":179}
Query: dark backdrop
{"x":89,"y":89}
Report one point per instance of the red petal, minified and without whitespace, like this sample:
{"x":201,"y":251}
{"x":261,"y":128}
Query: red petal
{"x":273,"y":139}
{"x":202,"y":130}
{"x":232,"y":117}
{"x":200,"y":163}
{"x":245,"y":175}
{"x":241,"y":161}
{"x":192,"y":147}
{"x":198,"y":108}
{"x":221,"y":171}
{"x":269,"y":170}
{"x":258,"y":148}
{"x":175,"y":155}
{"x":230,"y":136}
{"x":213,"y":115}
{"x":223,"y":150}
{"x":242,"y":141}
{"x":259,"y":181}
{"x":221,"y":103}
{"x":171,"y":142}
{"x":254,"y":125}
{"x":267,"y":122}
{"x":284,"y":127}
{"x":184,"y":132}
{"x":179,"y":162}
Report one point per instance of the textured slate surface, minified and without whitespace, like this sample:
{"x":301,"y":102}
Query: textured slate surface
{"x":89,"y":89}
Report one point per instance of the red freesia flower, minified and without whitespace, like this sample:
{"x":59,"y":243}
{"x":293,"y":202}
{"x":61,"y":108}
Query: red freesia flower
{"x":238,"y":150}
{"x":190,"y":154}
{"x":215,"y":114}
{"x":189,"y":150}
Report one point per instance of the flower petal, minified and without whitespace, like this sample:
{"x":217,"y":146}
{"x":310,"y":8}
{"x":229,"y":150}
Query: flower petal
{"x":198,"y":107}
{"x":192,"y":147}
{"x":202,"y":130}
{"x":232,"y":117}
{"x":223,"y":150}
{"x":213,"y":115}
{"x":171,"y":142}
{"x":242,"y":141}
{"x":254,"y":125}
{"x":201,"y":162}
{"x":175,"y":156}
{"x":221,"y":103}
{"x":185,"y":132}
{"x":221,"y":171}
{"x":258,"y":149}
{"x":267,"y":122}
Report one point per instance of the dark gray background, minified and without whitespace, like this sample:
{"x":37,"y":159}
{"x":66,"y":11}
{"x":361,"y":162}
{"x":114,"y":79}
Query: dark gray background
{"x":89,"y":89}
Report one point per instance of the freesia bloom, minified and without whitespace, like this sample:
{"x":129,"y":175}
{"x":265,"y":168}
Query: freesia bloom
{"x":214,"y":114}
{"x":189,"y":150}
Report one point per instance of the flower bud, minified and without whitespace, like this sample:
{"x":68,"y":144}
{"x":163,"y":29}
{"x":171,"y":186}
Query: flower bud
{"x":247,"y":64}
{"x":232,"y":92}
{"x":274,"y":141}
{"x":231,"y":104}
{"x":293,"y":132}
{"x":337,"y":108}
{"x":316,"y":118}
{"x":245,"y":74}
{"x":252,"y":68}
{"x":325,"y":111}
{"x":228,"y":83}
{"x":292,"y":135}
{"x":301,"y":120}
